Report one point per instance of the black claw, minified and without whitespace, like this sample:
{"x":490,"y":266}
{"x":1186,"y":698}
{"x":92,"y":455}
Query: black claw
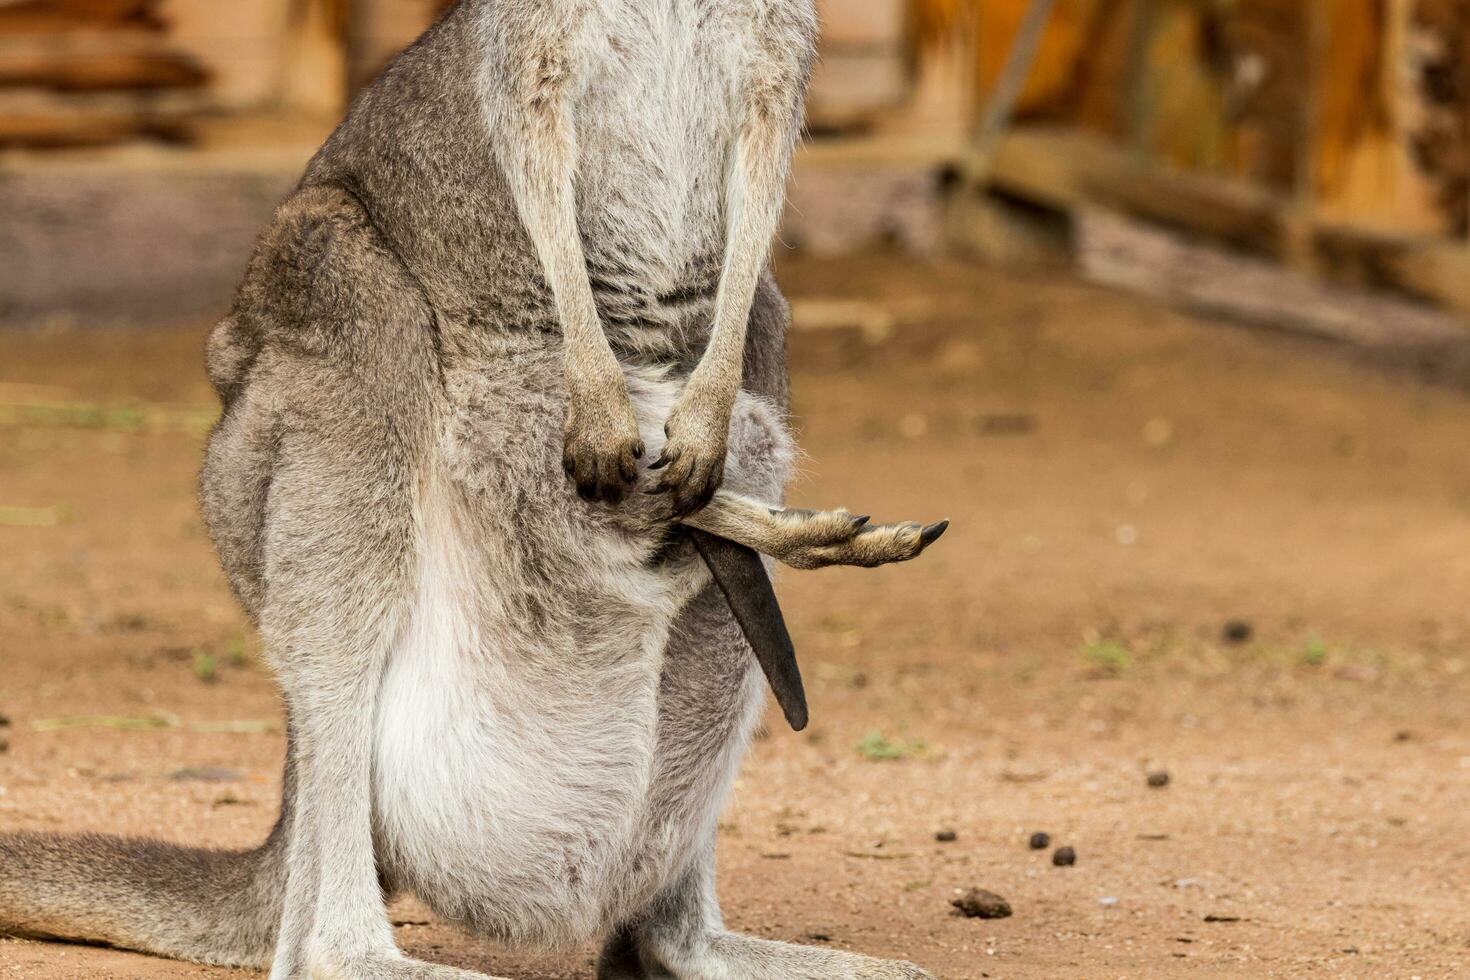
{"x":639,"y":450}
{"x":932,"y":533}
{"x":861,"y":521}
{"x":663,"y":460}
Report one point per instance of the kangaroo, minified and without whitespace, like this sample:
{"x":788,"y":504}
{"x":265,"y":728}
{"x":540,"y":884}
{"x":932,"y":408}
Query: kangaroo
{"x":533,"y":256}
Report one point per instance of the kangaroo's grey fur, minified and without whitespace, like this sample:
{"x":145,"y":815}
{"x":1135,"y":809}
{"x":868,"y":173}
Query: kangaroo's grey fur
{"x":539,"y":239}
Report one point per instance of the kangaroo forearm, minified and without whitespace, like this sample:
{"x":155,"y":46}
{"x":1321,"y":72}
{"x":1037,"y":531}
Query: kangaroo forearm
{"x":540,"y":170}
{"x":754,"y":201}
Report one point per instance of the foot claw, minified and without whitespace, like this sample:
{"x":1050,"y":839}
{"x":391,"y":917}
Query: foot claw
{"x":817,"y":540}
{"x":932,"y":533}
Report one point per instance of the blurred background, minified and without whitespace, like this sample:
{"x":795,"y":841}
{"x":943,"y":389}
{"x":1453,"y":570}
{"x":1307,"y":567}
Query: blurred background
{"x":1166,"y":303}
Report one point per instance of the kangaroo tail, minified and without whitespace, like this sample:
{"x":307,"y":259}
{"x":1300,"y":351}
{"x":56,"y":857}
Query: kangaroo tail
{"x":217,"y":907}
{"x":741,"y":576}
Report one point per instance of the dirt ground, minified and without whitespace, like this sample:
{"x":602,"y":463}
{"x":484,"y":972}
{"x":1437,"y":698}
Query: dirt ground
{"x":1123,"y":483}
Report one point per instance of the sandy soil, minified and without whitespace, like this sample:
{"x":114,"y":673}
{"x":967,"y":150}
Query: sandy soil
{"x":1123,"y":482}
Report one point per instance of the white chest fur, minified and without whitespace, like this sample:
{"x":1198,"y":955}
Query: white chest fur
{"x":656,"y":117}
{"x":516,"y":764}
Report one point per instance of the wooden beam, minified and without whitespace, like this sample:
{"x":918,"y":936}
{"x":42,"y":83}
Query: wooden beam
{"x":1431,"y":269}
{"x":100,"y":71}
{"x":1062,"y":168}
{"x":64,"y":130}
{"x":1067,"y":172}
{"x":60,"y":16}
{"x":1117,"y":251}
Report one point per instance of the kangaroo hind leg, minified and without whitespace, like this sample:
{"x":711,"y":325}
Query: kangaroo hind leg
{"x":344,"y":381}
{"x":810,"y":539}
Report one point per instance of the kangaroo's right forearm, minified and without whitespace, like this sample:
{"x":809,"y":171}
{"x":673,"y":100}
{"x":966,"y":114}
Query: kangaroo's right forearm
{"x":536,"y":146}
{"x":539,"y":156}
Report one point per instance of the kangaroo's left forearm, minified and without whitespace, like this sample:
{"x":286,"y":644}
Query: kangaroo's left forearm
{"x":754,"y":198}
{"x":760,"y":161}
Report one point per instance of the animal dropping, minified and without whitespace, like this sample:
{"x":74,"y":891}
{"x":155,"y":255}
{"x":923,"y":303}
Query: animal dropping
{"x":977,"y":903}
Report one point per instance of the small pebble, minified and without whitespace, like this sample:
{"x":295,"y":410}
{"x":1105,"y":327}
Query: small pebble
{"x":1107,"y":902}
{"x":977,"y":903}
{"x":1238,"y":631}
{"x":1064,"y":857}
{"x":4,"y":720}
{"x":946,"y":837}
{"x":1159,"y":778}
{"x":4,"y":744}
{"x":1040,"y":841}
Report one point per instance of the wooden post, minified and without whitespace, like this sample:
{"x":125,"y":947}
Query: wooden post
{"x":1002,"y":103}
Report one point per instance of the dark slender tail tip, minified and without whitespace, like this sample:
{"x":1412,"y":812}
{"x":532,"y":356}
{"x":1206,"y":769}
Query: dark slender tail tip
{"x":933,"y":533}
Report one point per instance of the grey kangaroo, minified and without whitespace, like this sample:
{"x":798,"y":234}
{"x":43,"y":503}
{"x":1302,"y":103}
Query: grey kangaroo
{"x":536,"y":247}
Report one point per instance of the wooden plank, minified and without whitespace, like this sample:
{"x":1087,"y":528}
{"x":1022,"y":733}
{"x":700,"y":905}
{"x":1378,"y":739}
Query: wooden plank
{"x":1068,"y":172}
{"x":71,"y":237}
{"x":1231,"y":212}
{"x":1046,"y":165}
{"x":1126,"y":254}
{"x":100,"y":71}
{"x":61,"y":16}
{"x":86,"y":129}
{"x":1063,"y":168}
{"x":1436,"y":270}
